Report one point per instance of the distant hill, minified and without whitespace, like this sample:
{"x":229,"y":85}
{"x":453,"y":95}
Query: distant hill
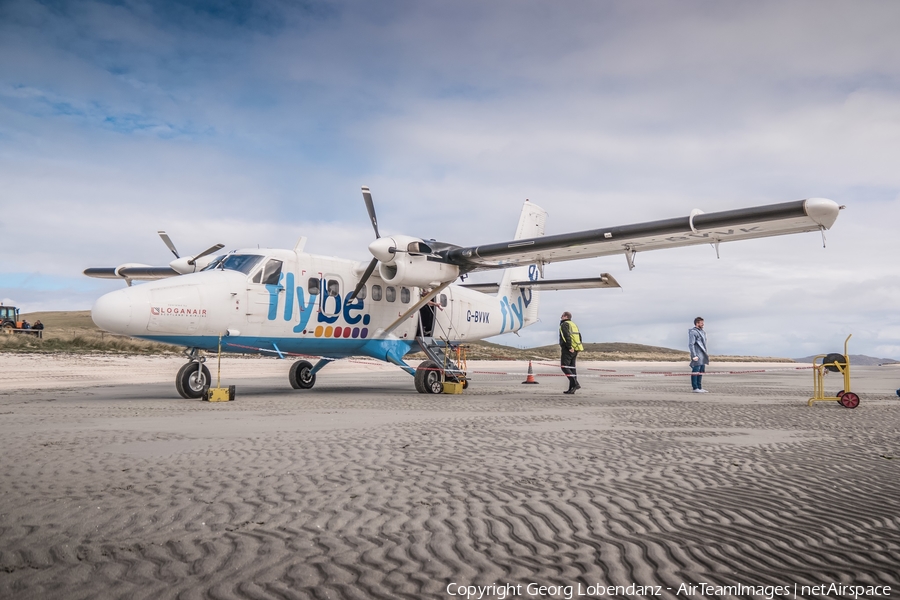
{"x":609,"y":351}
{"x":858,"y":359}
{"x":75,"y":331}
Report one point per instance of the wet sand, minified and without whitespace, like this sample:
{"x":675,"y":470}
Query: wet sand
{"x":111,"y":486}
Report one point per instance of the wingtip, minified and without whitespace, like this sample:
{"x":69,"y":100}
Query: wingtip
{"x":822,"y":210}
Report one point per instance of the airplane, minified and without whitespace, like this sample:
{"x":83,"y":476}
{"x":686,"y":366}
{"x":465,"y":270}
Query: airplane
{"x":291,"y":304}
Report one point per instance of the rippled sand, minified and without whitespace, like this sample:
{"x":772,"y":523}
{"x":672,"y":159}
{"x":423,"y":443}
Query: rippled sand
{"x":112,"y":486}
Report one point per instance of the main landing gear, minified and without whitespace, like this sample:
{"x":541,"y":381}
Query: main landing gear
{"x":429,"y":380}
{"x":193,"y":378}
{"x":302,"y":376}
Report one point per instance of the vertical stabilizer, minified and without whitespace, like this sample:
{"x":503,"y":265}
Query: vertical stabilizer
{"x":523,"y":303}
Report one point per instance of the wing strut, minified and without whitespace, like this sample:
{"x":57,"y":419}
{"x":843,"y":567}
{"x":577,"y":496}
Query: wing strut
{"x":629,"y":256}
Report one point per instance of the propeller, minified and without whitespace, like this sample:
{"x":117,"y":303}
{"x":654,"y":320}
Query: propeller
{"x":370,"y":207}
{"x":206,"y":252}
{"x":369,"y":270}
{"x":168,"y":242}
{"x":190,"y":260}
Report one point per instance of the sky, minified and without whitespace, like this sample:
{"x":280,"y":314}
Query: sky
{"x":255,"y":123}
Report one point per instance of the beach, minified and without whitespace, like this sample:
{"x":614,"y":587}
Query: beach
{"x":112,"y":486}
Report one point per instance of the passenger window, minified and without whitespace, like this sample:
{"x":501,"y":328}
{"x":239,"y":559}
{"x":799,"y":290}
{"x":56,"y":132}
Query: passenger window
{"x":404,"y":295}
{"x":390,"y":293}
{"x":334,"y":288}
{"x":444,"y":300}
{"x":376,"y":293}
{"x":362,"y":293}
{"x":312,"y":286}
{"x":272,"y":273}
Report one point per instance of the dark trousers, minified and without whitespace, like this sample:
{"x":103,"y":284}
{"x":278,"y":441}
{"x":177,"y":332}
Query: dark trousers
{"x":698,"y":371}
{"x":567,"y":364}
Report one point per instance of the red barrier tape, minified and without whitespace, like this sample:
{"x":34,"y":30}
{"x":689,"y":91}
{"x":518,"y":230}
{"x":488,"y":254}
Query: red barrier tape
{"x":614,"y":372}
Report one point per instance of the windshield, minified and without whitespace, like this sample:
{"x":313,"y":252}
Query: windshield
{"x":236,"y":262}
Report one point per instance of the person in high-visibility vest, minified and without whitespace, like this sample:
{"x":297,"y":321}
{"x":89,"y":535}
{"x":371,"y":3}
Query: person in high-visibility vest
{"x":570,"y":345}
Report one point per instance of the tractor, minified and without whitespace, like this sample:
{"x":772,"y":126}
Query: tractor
{"x":9,"y":318}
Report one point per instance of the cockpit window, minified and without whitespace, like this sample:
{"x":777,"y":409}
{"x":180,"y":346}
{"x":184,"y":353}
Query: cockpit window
{"x":236,"y":262}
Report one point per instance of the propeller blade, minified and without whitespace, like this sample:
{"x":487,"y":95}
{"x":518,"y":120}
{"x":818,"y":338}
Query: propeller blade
{"x":372,"y":264}
{"x":168,"y":242}
{"x":209,"y":250}
{"x":370,"y":206}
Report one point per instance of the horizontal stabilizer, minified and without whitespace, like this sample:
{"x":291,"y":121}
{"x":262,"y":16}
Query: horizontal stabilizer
{"x":551,"y":285}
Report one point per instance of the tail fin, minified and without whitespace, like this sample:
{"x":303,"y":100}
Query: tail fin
{"x":531,"y":224}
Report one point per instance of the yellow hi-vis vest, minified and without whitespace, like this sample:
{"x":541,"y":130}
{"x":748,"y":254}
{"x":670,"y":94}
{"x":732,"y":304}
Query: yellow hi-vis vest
{"x":574,"y":335}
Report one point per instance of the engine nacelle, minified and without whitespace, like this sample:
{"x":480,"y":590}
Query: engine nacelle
{"x":416,"y":271}
{"x":127,"y":266}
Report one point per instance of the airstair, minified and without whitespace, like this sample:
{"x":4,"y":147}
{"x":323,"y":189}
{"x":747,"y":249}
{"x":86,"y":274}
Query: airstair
{"x":449,"y":358}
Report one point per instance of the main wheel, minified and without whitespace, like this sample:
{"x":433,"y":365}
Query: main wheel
{"x":840,"y":393}
{"x":301,"y":375}
{"x":428,"y":378}
{"x":849,"y":400}
{"x":192,"y":380}
{"x":7,"y":328}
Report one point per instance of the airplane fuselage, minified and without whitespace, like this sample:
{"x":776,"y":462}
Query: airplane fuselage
{"x":289,"y":302}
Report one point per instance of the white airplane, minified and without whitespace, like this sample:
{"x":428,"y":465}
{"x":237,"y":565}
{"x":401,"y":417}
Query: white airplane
{"x":288,"y":303}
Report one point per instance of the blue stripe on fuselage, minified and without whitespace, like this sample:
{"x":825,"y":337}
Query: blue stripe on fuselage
{"x":380,"y":349}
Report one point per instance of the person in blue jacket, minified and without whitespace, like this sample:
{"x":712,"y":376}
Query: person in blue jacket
{"x":699,"y":355}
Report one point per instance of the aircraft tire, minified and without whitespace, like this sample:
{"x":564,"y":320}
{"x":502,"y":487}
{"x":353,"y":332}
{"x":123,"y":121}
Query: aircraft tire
{"x":189,"y":385}
{"x":301,"y":377}
{"x":834,"y":357}
{"x":428,"y":378}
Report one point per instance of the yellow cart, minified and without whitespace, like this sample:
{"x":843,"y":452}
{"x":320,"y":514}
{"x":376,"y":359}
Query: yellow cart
{"x":836,"y":363}
{"x":218,"y":393}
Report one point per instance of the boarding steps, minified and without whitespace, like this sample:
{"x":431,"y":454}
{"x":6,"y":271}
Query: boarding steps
{"x":444,"y":354}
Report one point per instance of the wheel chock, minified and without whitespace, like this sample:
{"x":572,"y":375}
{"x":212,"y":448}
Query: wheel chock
{"x":220,"y":394}
{"x":452,"y":387}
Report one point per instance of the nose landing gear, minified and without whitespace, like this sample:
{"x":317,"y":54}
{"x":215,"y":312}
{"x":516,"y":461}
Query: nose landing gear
{"x":193,"y":379}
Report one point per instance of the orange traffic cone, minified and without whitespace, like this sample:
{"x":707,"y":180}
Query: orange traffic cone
{"x":530,"y":377}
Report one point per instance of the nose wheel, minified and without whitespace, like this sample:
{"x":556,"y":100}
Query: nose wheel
{"x":192,"y":380}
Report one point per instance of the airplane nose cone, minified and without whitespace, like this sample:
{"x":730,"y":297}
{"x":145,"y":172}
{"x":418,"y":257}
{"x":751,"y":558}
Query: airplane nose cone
{"x":112,"y":312}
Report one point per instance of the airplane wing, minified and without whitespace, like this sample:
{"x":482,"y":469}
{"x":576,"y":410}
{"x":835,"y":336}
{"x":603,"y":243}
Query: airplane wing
{"x":812,"y":214}
{"x":132,"y":272}
{"x":138,"y":271}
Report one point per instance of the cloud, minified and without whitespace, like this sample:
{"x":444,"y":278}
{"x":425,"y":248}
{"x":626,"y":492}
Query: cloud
{"x":259,"y":122}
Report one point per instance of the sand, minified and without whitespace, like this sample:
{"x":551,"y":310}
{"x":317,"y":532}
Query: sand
{"x":111,"y":486}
